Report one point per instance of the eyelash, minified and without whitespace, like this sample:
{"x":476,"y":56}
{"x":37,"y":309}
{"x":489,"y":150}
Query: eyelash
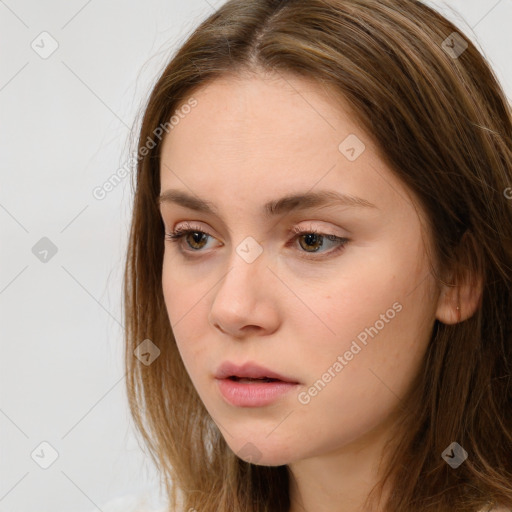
{"x":176,"y":235}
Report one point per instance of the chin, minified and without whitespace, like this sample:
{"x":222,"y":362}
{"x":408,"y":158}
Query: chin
{"x":263,"y":453}
{"x":271,"y":460}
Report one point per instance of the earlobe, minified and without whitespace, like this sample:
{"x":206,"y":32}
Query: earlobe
{"x":461,"y":293}
{"x":448,"y":306}
{"x":457,"y":303}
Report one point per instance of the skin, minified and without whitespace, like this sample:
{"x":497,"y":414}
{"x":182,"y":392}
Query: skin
{"x":250,"y":140}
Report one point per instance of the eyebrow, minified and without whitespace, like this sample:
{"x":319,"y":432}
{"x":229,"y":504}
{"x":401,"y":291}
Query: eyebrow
{"x":286,"y":204}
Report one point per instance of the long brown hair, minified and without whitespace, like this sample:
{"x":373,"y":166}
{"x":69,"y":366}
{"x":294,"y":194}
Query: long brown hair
{"x":443,"y":124}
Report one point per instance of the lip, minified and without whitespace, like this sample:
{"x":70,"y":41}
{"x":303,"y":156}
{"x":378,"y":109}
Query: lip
{"x":249,"y":370}
{"x":251,"y":394}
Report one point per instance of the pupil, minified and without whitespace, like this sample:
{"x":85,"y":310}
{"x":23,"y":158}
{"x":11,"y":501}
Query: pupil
{"x":310,"y":239}
{"x":196,"y":234}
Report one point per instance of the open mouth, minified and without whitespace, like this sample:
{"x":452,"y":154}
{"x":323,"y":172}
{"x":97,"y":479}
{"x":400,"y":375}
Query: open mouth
{"x":246,"y":379}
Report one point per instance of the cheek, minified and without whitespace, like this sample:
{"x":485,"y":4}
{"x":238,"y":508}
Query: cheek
{"x":380,"y":355}
{"x":345,"y":306}
{"x":184,"y":307}
{"x":379,"y":314}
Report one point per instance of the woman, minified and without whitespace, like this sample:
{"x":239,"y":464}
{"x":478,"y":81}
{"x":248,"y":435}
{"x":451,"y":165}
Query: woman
{"x":318,"y":284}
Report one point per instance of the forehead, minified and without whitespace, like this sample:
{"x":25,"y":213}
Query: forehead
{"x":251,"y":139}
{"x":262,"y":116}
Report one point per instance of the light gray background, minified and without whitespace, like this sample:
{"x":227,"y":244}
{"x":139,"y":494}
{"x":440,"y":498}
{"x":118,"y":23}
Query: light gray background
{"x":65,"y":123}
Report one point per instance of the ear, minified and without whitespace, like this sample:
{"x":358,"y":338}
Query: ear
{"x":459,"y":299}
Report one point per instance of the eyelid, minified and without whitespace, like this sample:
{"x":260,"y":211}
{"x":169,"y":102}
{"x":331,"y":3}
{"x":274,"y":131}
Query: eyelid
{"x":189,"y":225}
{"x":310,"y":228}
{"x":295,"y":229}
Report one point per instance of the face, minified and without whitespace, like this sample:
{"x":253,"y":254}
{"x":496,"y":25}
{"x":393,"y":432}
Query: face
{"x":336,"y":297}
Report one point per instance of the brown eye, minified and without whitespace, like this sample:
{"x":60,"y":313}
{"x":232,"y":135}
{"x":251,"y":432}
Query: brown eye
{"x":196,"y":238}
{"x":312,"y":241}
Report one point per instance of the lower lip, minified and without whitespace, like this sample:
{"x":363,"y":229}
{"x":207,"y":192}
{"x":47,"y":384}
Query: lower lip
{"x":253,"y":394}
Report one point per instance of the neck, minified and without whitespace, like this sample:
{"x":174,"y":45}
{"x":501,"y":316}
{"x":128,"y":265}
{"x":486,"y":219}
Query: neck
{"x":342,"y":479}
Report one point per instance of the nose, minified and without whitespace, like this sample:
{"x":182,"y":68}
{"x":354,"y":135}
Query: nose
{"x":244,"y":300}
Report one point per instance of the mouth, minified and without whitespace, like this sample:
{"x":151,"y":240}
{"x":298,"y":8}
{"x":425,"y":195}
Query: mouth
{"x":258,"y":389}
{"x":250,"y":373}
{"x":247,"y":379}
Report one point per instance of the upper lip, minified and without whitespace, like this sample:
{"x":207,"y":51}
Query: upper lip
{"x":248,"y":370}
